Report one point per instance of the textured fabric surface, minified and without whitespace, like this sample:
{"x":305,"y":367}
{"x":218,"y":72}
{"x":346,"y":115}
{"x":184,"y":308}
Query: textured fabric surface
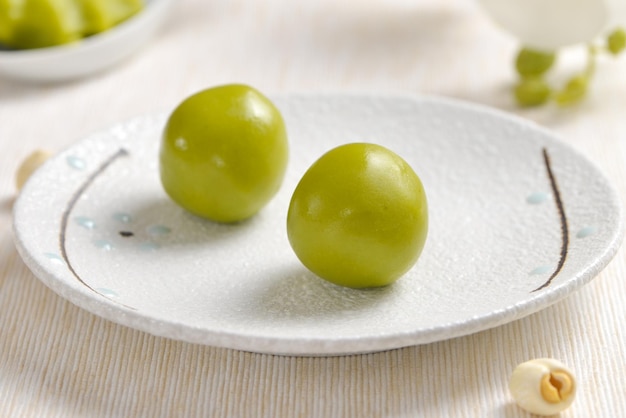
{"x":57,"y":360}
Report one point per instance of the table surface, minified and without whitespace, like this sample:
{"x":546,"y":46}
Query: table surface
{"x":57,"y":360}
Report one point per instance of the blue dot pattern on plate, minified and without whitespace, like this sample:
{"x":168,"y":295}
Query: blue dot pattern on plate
{"x":585,"y":232}
{"x":76,"y":163}
{"x":123,"y":217}
{"x":103,"y":244}
{"x":54,"y":258}
{"x":541,"y":270}
{"x":149,"y":246}
{"x":107,"y":292}
{"x":537,"y":198}
{"x":157,"y":230}
{"x":85,"y":222}
{"x":154,"y":231}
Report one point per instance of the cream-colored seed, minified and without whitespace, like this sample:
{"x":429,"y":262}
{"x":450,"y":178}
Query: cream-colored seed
{"x":28,"y":167}
{"x":543,"y":386}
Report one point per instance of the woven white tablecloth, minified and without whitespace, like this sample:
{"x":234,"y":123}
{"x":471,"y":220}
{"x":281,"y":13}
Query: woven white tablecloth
{"x":57,"y":360}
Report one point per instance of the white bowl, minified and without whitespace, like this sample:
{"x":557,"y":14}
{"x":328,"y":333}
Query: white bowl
{"x":93,"y":54}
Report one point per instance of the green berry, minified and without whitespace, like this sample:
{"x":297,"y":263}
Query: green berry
{"x":532,"y":91}
{"x":530,"y":62}
{"x":575,"y":89}
{"x":616,"y":41}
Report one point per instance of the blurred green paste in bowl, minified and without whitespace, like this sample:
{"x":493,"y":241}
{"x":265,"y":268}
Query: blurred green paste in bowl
{"x":28,"y":24}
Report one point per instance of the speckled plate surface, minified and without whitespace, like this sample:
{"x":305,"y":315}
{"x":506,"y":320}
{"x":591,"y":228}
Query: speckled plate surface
{"x":518,"y":220}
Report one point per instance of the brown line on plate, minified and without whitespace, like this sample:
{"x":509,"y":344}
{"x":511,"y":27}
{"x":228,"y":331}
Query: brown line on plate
{"x":563,"y":219}
{"x":68,"y":210}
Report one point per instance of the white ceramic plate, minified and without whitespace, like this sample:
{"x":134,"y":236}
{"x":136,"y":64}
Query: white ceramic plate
{"x":93,"y":54}
{"x":518,"y":220}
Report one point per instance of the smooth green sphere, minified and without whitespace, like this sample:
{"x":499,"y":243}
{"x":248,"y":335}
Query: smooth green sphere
{"x":224,"y":153}
{"x":359,"y":216}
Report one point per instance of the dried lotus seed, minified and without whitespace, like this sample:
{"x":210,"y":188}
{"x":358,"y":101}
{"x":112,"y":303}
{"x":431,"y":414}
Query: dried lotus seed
{"x":28,"y":167}
{"x":543,"y":386}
